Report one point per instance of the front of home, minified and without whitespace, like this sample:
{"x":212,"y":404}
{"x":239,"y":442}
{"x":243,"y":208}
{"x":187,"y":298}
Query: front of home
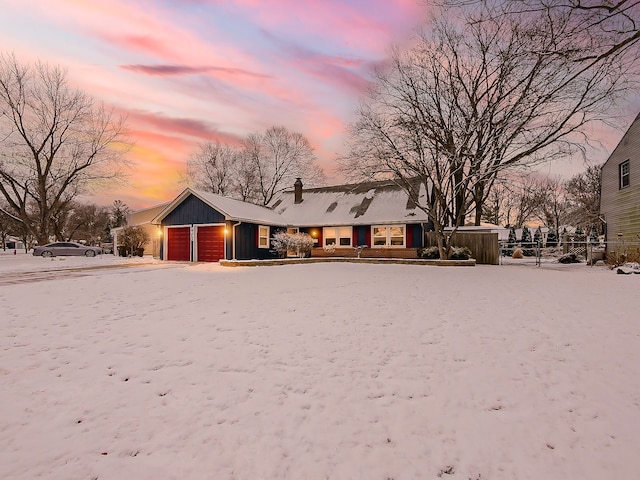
{"x":374,"y":219}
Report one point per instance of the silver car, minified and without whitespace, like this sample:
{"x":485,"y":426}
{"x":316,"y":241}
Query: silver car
{"x":66,"y":248}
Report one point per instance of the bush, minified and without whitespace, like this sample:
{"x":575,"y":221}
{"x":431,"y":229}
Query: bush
{"x":517,"y":253}
{"x":282,"y":243}
{"x":461,"y":253}
{"x":429,"y":253}
{"x":433,"y":253}
{"x":133,"y":239}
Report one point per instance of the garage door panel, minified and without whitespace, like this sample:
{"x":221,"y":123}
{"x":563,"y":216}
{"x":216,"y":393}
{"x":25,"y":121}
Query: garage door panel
{"x":210,"y":243}
{"x":179,"y":244}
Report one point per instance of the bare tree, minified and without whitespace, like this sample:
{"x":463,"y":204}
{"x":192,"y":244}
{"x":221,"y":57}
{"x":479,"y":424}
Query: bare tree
{"x":600,"y":27}
{"x":473,"y":99}
{"x":212,"y":167}
{"x":553,"y":205}
{"x":278,"y":157}
{"x":583,"y":198}
{"x":266,"y":164}
{"x":55,"y":142}
{"x":88,"y":222}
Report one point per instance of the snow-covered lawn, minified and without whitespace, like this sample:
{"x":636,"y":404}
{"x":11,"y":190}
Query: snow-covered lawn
{"x":320,"y":371}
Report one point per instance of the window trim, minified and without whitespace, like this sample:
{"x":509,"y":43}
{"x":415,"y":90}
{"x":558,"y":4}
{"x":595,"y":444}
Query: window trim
{"x":624,"y":178}
{"x":337,"y":236}
{"x":388,"y":243}
{"x":266,"y":237}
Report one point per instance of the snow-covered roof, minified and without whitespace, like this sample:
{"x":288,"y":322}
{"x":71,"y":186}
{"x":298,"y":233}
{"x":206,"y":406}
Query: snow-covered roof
{"x":145,"y":215}
{"x":232,"y":209}
{"x":370,"y":203}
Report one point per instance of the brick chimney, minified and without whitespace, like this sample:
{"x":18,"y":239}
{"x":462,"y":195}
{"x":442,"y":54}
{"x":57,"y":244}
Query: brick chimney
{"x":297,"y":190}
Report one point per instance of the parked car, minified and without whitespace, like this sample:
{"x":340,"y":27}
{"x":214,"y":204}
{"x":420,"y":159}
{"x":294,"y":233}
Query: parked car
{"x":66,"y":248}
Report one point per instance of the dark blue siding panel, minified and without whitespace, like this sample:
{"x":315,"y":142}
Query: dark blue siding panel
{"x":247,"y":243}
{"x":193,"y":211}
{"x":416,"y":230}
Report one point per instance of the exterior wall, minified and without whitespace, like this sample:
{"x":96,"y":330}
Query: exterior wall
{"x":247,"y":242}
{"x":192,"y":211}
{"x":621,"y":206}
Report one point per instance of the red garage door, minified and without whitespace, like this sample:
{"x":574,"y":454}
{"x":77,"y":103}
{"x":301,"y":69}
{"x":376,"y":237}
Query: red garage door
{"x":179,"y":244}
{"x":210,"y":243}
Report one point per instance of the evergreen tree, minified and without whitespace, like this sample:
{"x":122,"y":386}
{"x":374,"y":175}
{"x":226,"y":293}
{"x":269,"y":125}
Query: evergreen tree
{"x":537,"y":236}
{"x":512,"y":238}
{"x":526,"y":236}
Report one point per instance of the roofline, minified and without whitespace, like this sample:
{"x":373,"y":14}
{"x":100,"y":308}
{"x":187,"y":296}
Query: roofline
{"x":189,"y":191}
{"x":637,"y":119}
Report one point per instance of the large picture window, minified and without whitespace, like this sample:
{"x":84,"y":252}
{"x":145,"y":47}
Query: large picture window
{"x":388,"y":235}
{"x":624,"y":174}
{"x":337,"y":236}
{"x":263,"y":237}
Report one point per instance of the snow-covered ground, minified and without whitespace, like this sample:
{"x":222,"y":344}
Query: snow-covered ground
{"x":320,"y":371}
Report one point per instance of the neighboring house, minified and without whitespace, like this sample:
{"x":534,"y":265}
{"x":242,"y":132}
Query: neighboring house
{"x":143,"y":218}
{"x":620,"y":189}
{"x":201,"y":226}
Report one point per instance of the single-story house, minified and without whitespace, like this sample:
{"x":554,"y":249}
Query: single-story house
{"x":377,"y":216}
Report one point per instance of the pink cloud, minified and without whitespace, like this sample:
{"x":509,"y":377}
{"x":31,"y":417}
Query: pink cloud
{"x":177,"y":70}
{"x":191,"y":127}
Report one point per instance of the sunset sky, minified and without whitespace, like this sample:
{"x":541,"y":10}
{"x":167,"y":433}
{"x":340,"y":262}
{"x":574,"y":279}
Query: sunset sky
{"x":188,"y":71}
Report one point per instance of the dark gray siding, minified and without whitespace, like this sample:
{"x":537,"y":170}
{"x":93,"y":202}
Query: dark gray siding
{"x":192,"y":211}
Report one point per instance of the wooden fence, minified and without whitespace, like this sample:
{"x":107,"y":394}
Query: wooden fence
{"x":483,"y":245}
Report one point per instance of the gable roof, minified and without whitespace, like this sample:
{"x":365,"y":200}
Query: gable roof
{"x":632,"y":132}
{"x":369,"y":203}
{"x":232,"y":209}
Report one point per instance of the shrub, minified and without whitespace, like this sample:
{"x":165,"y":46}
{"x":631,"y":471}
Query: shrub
{"x":133,"y":239}
{"x":517,"y":253}
{"x":461,"y":253}
{"x":429,"y":253}
{"x":282,"y":243}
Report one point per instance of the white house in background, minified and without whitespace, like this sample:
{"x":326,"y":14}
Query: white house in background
{"x":143,"y":219}
{"x":620,"y":189}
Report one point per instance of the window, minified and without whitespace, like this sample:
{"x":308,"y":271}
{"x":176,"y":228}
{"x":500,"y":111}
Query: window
{"x":263,"y":237}
{"x":338,"y":236}
{"x":624,"y":174}
{"x":388,"y":235}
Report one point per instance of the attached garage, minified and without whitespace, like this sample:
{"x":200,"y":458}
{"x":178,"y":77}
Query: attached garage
{"x":204,"y":227}
{"x":179,"y":244}
{"x":210,"y":243}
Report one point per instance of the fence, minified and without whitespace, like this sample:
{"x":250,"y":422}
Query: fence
{"x":483,"y":245}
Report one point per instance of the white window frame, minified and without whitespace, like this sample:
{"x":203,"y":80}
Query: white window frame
{"x":624,"y":177}
{"x":264,"y":237}
{"x":338,"y":235}
{"x":388,"y":236}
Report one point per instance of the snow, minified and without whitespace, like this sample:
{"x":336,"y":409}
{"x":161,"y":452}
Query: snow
{"x":318,"y":371}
